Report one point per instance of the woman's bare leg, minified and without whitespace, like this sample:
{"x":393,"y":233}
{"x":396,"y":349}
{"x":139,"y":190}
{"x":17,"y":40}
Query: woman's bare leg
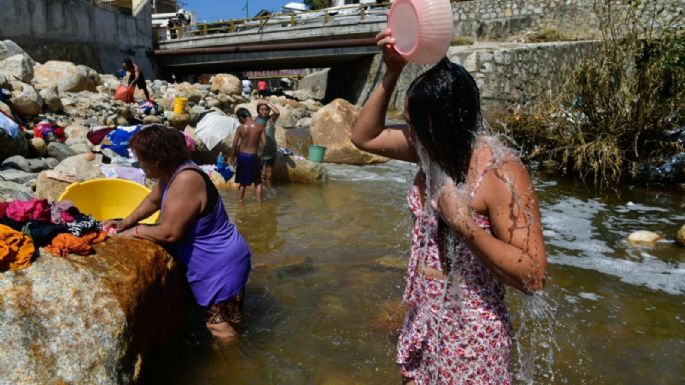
{"x":223,"y":331}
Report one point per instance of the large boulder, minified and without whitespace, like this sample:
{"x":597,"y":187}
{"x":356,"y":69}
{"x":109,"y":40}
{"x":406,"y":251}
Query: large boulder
{"x":12,"y":146}
{"x":16,"y":162}
{"x":60,"y":151}
{"x":9,"y":48}
{"x":39,"y":146}
{"x":88,"y":319}
{"x":185,"y":90}
{"x":10,"y":191}
{"x":298,"y":140}
{"x":92,"y":77}
{"x":226,"y":84}
{"x":331,"y":128}
{"x":179,"y":121}
{"x":290,"y":170}
{"x":17,"y":67}
{"x":51,"y":99}
{"x":312,"y":86}
{"x":51,"y":184}
{"x":65,"y":75}
{"x":17,"y":176}
{"x":76,"y":134}
{"x":26,"y":100}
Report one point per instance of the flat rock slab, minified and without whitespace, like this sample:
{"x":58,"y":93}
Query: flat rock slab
{"x":87,"y":319}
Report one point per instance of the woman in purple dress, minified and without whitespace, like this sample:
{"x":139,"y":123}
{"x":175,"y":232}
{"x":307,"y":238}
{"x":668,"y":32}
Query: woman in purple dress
{"x":194,"y":227}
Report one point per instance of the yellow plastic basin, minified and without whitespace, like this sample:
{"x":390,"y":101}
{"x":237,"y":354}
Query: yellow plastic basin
{"x":105,"y":198}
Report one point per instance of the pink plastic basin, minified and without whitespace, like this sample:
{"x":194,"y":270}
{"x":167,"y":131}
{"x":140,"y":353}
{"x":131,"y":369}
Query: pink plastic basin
{"x":422,"y":29}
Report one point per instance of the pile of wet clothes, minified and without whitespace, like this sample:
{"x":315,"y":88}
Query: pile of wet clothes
{"x":59,"y":227}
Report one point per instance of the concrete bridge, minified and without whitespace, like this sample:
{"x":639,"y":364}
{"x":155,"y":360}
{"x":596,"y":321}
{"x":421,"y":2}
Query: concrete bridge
{"x":310,"y":40}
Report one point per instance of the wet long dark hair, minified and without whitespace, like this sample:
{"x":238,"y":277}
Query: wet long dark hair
{"x":444,"y":108}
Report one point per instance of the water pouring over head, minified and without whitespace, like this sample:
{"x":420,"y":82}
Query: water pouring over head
{"x":444,"y":113}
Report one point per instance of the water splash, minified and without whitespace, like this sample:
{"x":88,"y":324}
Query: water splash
{"x":534,"y":343}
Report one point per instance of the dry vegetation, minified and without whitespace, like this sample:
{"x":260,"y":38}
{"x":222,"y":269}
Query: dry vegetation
{"x":621,"y":106}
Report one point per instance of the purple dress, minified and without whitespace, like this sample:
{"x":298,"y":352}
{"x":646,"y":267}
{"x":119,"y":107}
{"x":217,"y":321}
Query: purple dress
{"x":215,"y":256}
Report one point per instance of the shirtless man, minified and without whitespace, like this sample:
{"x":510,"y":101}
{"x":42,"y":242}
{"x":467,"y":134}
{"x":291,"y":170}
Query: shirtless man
{"x":248,"y":165}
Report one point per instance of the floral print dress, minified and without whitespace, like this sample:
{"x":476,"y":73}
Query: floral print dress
{"x":457,"y":330}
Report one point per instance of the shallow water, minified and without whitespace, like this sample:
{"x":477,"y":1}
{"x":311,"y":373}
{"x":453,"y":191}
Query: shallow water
{"x":323,"y":300}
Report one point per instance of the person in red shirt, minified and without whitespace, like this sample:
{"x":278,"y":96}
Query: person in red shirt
{"x":261,"y":88}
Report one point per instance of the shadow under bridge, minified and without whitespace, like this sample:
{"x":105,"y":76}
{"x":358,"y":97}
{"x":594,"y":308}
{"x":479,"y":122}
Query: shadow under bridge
{"x":232,"y":58}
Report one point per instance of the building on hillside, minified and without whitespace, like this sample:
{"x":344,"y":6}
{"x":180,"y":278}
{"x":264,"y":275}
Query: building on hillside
{"x":164,"y":6}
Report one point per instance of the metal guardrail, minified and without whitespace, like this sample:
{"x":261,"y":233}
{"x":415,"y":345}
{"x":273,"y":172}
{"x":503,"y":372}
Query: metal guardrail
{"x":259,"y":24}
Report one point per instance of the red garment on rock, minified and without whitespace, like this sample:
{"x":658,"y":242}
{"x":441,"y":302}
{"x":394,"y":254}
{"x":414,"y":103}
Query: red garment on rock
{"x":32,"y":210}
{"x":43,"y":129}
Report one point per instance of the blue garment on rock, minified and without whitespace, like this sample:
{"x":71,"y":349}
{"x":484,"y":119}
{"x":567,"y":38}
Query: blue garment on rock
{"x":120,"y":138}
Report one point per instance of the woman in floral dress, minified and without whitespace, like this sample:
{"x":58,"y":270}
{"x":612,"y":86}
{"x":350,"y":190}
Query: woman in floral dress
{"x":476,"y":225}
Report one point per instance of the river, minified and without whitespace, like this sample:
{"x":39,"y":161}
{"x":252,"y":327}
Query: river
{"x":323,"y":299}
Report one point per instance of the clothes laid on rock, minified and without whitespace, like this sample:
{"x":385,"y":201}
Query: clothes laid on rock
{"x":42,"y":233}
{"x":60,"y":227}
{"x":65,"y":244}
{"x":123,"y":172}
{"x":215,"y":127}
{"x":62,"y":212}
{"x":9,"y":126}
{"x":147,"y":107}
{"x":83,"y":224}
{"x":96,"y":136}
{"x":117,"y":140}
{"x":31,"y":210}
{"x":47,"y":131}
{"x":16,"y":249}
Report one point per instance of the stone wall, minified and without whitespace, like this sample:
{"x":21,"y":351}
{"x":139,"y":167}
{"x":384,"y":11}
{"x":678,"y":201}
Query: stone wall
{"x":507,"y":74}
{"x":75,"y":30}
{"x":499,"y":19}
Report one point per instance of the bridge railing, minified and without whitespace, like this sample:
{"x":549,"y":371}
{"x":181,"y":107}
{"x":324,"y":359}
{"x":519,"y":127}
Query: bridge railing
{"x":352,"y":13}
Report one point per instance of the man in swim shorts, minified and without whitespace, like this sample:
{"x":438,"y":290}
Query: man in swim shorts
{"x":245,"y":158}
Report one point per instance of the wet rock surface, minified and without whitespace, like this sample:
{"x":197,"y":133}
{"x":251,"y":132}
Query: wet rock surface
{"x":87,"y":319}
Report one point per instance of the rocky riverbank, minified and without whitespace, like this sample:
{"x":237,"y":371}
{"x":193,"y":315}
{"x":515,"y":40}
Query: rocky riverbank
{"x":78,"y":100}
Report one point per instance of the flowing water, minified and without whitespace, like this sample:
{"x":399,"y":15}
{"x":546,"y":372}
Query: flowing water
{"x":323,"y":301}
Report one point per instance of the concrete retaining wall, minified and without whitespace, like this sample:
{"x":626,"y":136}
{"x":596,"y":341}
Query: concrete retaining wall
{"x":497,"y":19}
{"x":507,"y":74}
{"x":77,"y":31}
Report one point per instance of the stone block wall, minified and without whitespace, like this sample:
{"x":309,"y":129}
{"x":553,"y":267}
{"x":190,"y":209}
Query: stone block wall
{"x":497,"y":19}
{"x":508,"y":74}
{"x":77,"y":31}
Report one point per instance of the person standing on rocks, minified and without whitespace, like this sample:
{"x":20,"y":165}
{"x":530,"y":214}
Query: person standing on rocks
{"x":136,"y":77}
{"x":262,"y":88}
{"x":245,"y":157}
{"x":194,"y":227}
{"x":267,"y":116}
